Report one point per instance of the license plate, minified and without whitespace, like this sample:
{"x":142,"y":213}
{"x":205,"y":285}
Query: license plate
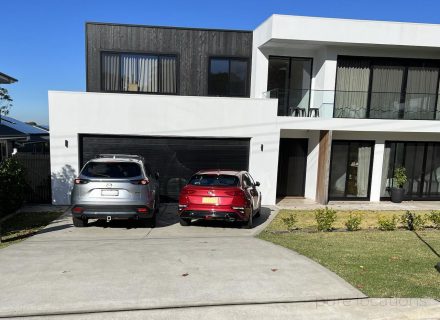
{"x":107,"y":193}
{"x":210,"y":200}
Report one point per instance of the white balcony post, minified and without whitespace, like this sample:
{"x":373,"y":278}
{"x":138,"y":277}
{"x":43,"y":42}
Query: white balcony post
{"x":376,"y":176}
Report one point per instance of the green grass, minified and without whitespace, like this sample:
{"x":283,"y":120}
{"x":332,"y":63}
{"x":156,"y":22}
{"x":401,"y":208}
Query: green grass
{"x":379,"y":263}
{"x":24,"y":225}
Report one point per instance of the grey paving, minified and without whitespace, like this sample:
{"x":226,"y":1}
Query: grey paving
{"x":121,"y":267}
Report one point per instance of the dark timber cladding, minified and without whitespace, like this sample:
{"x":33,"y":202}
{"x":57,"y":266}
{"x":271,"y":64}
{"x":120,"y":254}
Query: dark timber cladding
{"x":193,"y":48}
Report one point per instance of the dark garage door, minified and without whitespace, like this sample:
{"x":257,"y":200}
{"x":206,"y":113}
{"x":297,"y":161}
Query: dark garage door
{"x":176,"y":159}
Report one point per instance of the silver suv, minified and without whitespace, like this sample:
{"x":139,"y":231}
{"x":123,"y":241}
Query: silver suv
{"x":115,"y":186}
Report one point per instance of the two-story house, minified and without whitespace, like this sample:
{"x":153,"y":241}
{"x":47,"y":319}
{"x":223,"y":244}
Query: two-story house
{"x":319,"y":108}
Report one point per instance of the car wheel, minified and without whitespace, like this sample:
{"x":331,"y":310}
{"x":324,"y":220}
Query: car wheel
{"x":149,"y":222}
{"x":185,"y":222}
{"x":259,"y":211}
{"x":248,"y":224}
{"x":157,"y":205}
{"x":79,"y":223}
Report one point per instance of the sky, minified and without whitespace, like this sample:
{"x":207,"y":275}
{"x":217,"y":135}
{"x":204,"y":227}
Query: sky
{"x":43,"y":42}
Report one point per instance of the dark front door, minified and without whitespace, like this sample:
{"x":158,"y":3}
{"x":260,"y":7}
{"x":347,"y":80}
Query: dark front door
{"x":176,"y":159}
{"x":292,"y":164}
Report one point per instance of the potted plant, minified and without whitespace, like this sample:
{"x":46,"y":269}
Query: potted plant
{"x":400,"y":178}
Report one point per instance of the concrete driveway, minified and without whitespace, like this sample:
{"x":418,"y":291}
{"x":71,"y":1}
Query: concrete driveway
{"x":120,"y":267}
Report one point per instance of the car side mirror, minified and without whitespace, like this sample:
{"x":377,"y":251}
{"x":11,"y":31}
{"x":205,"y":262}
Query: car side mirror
{"x":157,"y":175}
{"x":257,"y":183}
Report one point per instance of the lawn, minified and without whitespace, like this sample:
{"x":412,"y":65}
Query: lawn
{"x":24,"y":225}
{"x":379,"y":263}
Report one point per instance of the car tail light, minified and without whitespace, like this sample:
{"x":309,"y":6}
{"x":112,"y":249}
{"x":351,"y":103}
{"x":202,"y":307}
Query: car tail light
{"x":142,"y":210}
{"x":235,"y":193}
{"x":143,"y":182}
{"x":77,"y":210}
{"x":81,"y":181}
{"x":187,"y":191}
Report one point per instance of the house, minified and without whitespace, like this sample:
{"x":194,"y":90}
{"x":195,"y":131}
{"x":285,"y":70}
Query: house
{"x":5,"y":79}
{"x":319,"y":108}
{"x":23,"y":137}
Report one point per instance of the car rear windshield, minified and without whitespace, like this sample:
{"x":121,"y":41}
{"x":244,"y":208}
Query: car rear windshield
{"x":118,"y":170}
{"x":214,"y":180}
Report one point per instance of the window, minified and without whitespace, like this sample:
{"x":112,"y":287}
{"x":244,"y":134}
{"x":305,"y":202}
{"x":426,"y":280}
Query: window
{"x":289,"y":80}
{"x":422,"y":163}
{"x":385,"y":88}
{"x":125,"y":72}
{"x":228,"y":77}
{"x":214,"y":180}
{"x":247,"y":181}
{"x":118,"y":170}
{"x":350,"y":170}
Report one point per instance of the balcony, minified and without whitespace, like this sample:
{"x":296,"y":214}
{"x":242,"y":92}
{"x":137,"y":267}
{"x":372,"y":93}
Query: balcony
{"x":356,"y":104}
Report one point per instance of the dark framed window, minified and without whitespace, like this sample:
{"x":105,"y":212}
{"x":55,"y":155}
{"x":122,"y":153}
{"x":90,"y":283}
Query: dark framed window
{"x":350,"y":170}
{"x":387,"y":88}
{"x":228,"y":77}
{"x":422,"y":163}
{"x":132,"y":72}
{"x":290,"y":80}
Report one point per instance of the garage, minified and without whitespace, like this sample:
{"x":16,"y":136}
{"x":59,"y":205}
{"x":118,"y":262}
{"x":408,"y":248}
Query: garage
{"x":175,"y":158}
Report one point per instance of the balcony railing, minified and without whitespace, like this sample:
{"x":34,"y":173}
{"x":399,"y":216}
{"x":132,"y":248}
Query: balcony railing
{"x":356,"y":104}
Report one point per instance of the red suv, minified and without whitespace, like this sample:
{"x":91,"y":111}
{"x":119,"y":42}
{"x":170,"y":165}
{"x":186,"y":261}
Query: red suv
{"x":220,"y":195}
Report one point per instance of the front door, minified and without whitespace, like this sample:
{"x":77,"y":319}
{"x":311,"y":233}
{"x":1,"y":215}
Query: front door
{"x":292,"y":163}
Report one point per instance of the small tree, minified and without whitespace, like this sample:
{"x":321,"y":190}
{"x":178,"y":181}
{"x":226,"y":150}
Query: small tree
{"x":400,"y":177}
{"x":5,"y":102}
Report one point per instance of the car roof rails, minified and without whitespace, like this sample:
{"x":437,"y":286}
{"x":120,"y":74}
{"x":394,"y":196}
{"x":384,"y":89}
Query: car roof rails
{"x":120,"y":156}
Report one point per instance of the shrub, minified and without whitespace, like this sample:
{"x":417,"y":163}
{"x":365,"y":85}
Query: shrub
{"x":354,"y":222}
{"x":12,"y":186}
{"x":400,"y":177}
{"x":387,"y":223}
{"x":325,"y":218}
{"x":291,"y":221}
{"x":434,"y":216}
{"x":412,"y":221}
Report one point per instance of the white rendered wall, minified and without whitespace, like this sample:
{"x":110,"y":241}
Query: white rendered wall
{"x":325,"y":30}
{"x":72,"y":113}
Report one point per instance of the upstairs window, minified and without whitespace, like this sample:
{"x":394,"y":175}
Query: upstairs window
{"x":147,"y":73}
{"x":228,"y":77}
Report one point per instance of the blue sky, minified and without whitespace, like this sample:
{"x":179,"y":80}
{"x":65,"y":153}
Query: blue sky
{"x":43,"y":41}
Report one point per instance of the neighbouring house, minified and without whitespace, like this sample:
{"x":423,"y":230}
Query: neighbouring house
{"x":5,"y":79}
{"x":30,"y":145}
{"x":17,"y":136}
{"x":319,"y":108}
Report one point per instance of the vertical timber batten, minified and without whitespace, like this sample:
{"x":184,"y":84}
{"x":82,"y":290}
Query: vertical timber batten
{"x":325,"y":145}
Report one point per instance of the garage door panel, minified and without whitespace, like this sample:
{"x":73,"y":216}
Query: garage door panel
{"x":176,"y":159}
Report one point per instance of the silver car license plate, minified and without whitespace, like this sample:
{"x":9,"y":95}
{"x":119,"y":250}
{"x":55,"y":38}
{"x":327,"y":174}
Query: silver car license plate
{"x":106,"y":193}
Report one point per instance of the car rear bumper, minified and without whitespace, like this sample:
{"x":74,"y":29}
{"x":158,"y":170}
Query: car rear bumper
{"x":211,"y":215}
{"x":115,"y":212}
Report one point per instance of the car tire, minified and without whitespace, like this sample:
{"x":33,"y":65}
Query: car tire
{"x":248,"y":224}
{"x":79,"y":223}
{"x":184,"y":222}
{"x":157,"y":205}
{"x":258,"y":214}
{"x":149,"y":222}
